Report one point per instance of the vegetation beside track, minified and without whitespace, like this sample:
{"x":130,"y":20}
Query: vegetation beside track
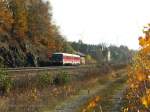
{"x":28,"y":94}
{"x":101,"y":89}
{"x":109,"y":97}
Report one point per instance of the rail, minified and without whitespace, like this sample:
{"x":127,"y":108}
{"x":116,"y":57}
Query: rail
{"x":19,"y":69}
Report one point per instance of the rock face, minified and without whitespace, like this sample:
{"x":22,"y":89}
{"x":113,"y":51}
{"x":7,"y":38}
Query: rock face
{"x":21,"y":54}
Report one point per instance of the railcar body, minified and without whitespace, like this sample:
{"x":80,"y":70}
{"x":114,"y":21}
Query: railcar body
{"x":65,"y":59}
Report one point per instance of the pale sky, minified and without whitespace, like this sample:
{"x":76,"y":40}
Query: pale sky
{"x":102,"y":21}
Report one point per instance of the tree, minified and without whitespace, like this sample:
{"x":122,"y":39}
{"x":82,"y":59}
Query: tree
{"x":28,"y":26}
{"x":138,"y":92}
{"x":19,"y":12}
{"x":39,"y":20}
{"x":6,"y":19}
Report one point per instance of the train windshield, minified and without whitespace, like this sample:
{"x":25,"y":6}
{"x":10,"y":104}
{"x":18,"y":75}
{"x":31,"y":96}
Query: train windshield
{"x":57,"y":57}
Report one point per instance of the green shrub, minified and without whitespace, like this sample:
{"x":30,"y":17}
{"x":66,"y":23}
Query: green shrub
{"x":5,"y":81}
{"x":62,"y":78}
{"x":45,"y":79}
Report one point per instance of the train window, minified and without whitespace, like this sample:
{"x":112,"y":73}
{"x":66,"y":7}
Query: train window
{"x":57,"y":57}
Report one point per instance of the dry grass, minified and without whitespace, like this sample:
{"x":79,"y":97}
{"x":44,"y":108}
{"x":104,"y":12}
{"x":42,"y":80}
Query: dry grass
{"x":107,"y":95}
{"x":27,"y":96}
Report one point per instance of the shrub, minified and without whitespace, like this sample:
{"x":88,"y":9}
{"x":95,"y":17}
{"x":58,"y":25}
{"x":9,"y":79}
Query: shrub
{"x":62,"y":78}
{"x":45,"y":79}
{"x":25,"y":82}
{"x":5,"y":81}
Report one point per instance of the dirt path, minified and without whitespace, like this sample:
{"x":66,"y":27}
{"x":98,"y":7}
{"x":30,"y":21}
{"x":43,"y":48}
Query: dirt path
{"x":76,"y":102}
{"x":118,"y":97}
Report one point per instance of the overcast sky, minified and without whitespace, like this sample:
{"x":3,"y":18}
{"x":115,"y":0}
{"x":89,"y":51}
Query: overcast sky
{"x":96,"y":21}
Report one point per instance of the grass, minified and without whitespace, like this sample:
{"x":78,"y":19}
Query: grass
{"x":32,"y":94}
{"x":107,"y":101}
{"x":110,"y":92}
{"x":28,"y":96}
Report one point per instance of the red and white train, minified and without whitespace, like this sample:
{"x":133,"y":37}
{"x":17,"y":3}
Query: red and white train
{"x":65,"y":59}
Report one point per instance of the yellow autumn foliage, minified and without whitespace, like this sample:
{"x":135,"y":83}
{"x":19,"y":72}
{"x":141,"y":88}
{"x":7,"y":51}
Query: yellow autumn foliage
{"x":138,"y":92}
{"x":92,"y":104}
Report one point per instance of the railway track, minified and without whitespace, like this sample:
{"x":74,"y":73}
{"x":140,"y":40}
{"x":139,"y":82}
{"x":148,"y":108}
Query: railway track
{"x":19,"y":69}
{"x":33,"y":71}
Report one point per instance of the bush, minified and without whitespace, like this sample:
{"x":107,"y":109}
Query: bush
{"x":24,"y":82}
{"x":5,"y":81}
{"x":62,"y":78}
{"x":45,"y":79}
{"x":89,"y":59}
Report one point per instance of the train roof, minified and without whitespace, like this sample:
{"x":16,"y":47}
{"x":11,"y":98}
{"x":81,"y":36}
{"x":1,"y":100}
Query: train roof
{"x":67,"y":54}
{"x":80,"y":54}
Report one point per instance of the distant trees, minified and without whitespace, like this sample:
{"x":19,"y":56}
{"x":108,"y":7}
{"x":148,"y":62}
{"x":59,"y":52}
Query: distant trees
{"x":120,"y":54}
{"x":68,"y":48}
{"x":99,"y":52}
{"x":89,"y":59}
{"x":95,"y":51}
